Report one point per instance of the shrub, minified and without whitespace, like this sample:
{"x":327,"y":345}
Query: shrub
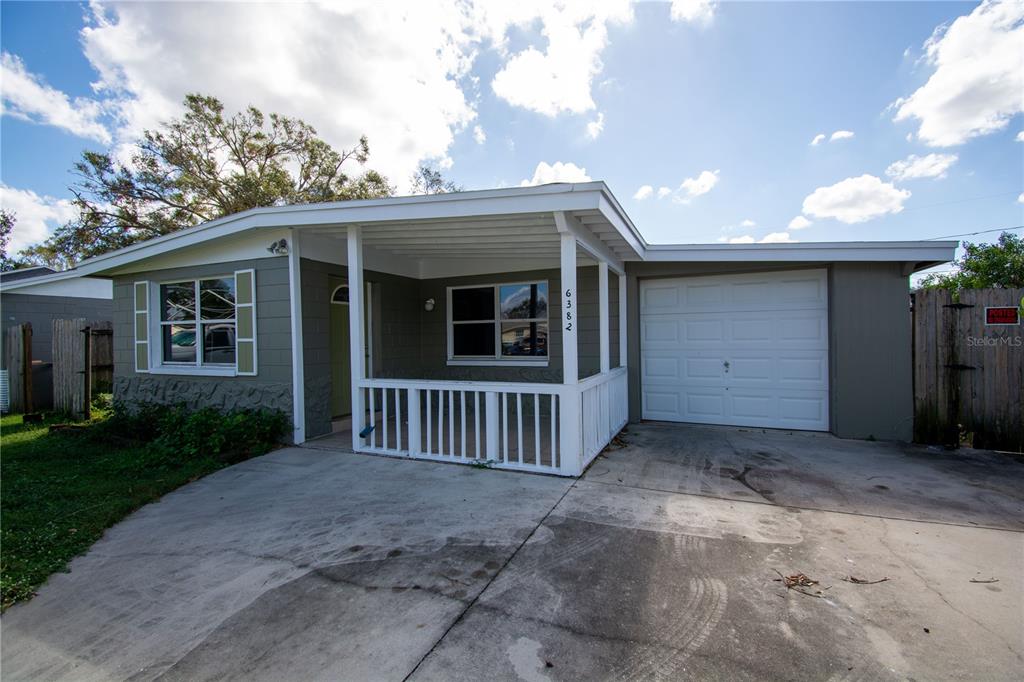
{"x":183,"y":433}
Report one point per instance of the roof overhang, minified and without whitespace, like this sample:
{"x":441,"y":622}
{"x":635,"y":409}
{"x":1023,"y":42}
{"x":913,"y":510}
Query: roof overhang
{"x":512,"y":221}
{"x":922,"y":254}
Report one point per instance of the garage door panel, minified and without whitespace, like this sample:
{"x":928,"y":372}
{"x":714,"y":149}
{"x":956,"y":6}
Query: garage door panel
{"x":706,"y":405}
{"x":661,"y":405}
{"x":656,"y":298}
{"x":659,"y":331}
{"x":701,"y":330}
{"x":749,"y":350}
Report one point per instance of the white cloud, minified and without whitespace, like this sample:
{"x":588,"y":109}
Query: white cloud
{"x":777,"y":238}
{"x":855,"y":200}
{"x":27,"y":97}
{"x":818,"y":139}
{"x":929,"y":166}
{"x":1020,"y":136}
{"x":559,"y":78}
{"x":799,"y":223}
{"x":479,"y":136}
{"x":36,"y":216}
{"x":695,"y":11}
{"x":841,"y":135}
{"x":644,"y":192}
{"x":663,"y":192}
{"x":770,"y":238}
{"x":557,"y":172}
{"x":595,"y":127}
{"x":695,"y":187}
{"x":398,"y":72}
{"x":1020,"y":199}
{"x":446,"y":162}
{"x":978,"y":80}
{"x":748,"y":223}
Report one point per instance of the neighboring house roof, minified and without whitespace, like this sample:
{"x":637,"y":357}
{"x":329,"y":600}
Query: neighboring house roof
{"x":44,"y":281}
{"x":25,"y":273}
{"x":493,"y":224}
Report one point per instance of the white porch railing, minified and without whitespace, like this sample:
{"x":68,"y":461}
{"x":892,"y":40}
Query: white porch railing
{"x":605,"y":410}
{"x":504,"y":425}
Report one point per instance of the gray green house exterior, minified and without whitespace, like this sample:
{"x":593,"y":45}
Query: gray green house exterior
{"x":523,"y":327}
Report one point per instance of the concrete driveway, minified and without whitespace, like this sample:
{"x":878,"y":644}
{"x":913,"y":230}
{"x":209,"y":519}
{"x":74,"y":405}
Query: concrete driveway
{"x":658,"y":564}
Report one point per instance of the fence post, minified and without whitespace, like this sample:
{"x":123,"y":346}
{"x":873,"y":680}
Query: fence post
{"x":87,"y":372}
{"x":26,"y":367}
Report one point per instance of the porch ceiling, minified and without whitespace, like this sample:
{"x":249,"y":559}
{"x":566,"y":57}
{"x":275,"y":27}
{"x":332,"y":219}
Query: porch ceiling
{"x":498,"y":238}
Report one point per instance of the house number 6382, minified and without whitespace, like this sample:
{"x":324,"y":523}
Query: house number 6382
{"x":568,"y":310}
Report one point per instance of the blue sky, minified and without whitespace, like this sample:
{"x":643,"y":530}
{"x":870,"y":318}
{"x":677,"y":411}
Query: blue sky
{"x":717,"y":103}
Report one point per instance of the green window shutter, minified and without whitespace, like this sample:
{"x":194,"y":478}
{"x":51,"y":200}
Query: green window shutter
{"x":140,"y":315}
{"x":245,"y":323}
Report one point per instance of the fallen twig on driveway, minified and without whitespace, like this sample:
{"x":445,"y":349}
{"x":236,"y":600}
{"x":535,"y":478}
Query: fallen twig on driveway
{"x":798,"y":580}
{"x":861,"y":581}
{"x":991,"y":580}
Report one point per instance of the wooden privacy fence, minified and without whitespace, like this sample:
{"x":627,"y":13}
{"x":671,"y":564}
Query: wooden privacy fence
{"x":968,"y":374}
{"x":83,"y":363}
{"x":18,"y":361}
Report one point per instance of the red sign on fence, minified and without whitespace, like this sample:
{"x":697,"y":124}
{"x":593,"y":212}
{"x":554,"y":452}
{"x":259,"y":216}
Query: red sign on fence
{"x":1005,"y":315}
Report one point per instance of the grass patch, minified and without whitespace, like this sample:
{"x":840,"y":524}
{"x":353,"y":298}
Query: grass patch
{"x":61,"y":490}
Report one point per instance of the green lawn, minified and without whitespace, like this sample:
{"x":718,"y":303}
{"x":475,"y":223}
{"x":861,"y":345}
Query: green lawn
{"x":59,"y":491}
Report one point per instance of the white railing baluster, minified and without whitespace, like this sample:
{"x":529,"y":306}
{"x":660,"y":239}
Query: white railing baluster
{"x":384,"y":422}
{"x":430,"y":422}
{"x":398,"y":419}
{"x":476,"y":418}
{"x":536,"y":428}
{"x":504,"y":427}
{"x":451,"y":423}
{"x":462,"y":421}
{"x":373,"y":418}
{"x":440,"y":422}
{"x":519,"y":426}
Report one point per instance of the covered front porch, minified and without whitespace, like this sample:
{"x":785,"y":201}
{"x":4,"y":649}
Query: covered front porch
{"x":538,"y":385}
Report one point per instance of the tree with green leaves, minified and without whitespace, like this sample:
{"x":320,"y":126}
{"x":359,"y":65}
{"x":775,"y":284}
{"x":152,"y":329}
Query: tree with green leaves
{"x":984,"y":266}
{"x":427,"y":180}
{"x":7,"y":221}
{"x":199,"y":167}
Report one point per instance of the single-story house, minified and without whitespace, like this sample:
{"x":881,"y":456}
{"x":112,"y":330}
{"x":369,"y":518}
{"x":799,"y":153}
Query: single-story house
{"x":521,"y":326}
{"x":36,"y":296}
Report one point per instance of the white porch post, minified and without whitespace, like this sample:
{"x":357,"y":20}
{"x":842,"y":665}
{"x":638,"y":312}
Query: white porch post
{"x":298,"y":363}
{"x":603,"y":315}
{"x":570,"y":442}
{"x":357,"y":341}
{"x":622,"y":320}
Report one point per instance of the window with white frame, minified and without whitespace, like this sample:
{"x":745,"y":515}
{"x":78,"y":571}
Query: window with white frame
{"x":197,"y":322}
{"x":500,"y":322}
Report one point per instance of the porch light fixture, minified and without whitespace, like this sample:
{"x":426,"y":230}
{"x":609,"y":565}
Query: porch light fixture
{"x":278,"y":248}
{"x":428,"y":305}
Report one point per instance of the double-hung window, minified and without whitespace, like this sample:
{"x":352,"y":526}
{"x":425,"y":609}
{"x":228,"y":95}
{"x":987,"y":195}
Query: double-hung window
{"x":197,"y":322}
{"x":499,"y":323}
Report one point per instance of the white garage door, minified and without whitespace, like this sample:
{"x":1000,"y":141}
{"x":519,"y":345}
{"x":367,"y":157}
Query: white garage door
{"x":744,"y":350}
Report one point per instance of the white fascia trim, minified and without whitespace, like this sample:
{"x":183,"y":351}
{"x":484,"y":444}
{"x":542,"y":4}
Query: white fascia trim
{"x":903,"y":251}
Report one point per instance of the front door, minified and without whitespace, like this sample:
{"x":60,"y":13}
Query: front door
{"x":341,"y":360}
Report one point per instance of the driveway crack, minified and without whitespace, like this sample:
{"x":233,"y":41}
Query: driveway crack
{"x":928,"y":586}
{"x":494,"y":577}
